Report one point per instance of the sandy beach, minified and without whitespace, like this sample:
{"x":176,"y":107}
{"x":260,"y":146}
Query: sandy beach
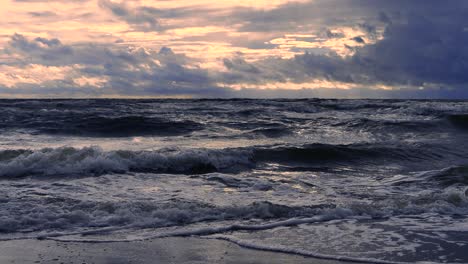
{"x":166,"y":250}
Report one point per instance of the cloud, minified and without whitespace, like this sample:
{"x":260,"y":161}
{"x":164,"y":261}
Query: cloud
{"x":42,"y":14}
{"x":148,"y":18}
{"x":427,"y":46}
{"x":368,"y":48}
{"x":123,"y":71}
{"x":142,"y":18}
{"x":420,"y":48}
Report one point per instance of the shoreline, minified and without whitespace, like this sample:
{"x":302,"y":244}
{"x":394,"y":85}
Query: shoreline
{"x":162,"y":250}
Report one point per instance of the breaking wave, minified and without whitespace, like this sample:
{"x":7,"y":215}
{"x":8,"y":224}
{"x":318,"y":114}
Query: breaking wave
{"x":55,"y":214}
{"x":90,"y":161}
{"x":94,"y":161}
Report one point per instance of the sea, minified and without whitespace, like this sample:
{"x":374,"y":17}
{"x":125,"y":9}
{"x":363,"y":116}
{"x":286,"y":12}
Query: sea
{"x":378,"y":181}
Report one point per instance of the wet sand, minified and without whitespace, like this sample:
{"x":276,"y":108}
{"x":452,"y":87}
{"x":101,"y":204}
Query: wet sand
{"x":166,"y":250}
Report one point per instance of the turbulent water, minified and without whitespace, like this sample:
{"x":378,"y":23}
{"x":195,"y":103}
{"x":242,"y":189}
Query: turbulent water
{"x":370,"y":180}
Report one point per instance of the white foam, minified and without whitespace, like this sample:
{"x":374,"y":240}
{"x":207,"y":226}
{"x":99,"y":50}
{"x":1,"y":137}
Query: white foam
{"x":203,"y":231}
{"x":305,"y":253}
{"x":86,"y":161}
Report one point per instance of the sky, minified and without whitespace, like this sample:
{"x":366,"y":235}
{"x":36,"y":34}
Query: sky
{"x":218,"y":49}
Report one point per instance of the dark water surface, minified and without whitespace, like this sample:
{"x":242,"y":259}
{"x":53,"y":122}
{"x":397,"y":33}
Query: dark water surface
{"x":376,"y":180}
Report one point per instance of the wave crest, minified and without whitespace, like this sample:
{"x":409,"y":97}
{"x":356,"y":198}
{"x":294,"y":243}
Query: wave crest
{"x":93,"y":161}
{"x":90,"y":161}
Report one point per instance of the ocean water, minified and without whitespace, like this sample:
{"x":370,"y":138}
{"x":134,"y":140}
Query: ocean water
{"x":371,"y":180}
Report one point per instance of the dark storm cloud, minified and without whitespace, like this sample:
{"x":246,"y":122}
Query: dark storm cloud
{"x":428,"y":46}
{"x":359,"y":40}
{"x":127,"y":71}
{"x":424,"y":42}
{"x":345,"y":12}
